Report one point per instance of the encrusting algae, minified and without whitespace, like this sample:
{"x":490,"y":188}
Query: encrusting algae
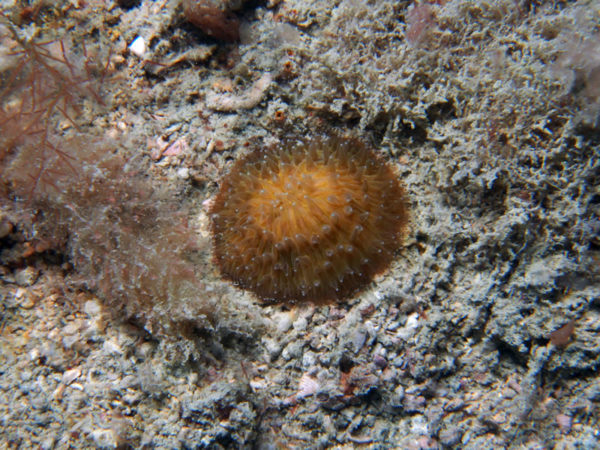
{"x":308,"y":220}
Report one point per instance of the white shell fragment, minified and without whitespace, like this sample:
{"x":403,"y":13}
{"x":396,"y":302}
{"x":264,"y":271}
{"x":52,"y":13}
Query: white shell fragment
{"x":138,"y":46}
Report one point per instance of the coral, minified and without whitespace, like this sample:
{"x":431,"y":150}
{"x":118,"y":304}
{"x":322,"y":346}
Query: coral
{"x":311,"y":220}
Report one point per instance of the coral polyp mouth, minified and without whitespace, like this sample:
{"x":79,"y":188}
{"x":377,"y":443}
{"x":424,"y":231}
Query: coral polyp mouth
{"x":308,"y":220}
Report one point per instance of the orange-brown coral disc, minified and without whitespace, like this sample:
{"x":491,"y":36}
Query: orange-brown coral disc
{"x":311,"y":220}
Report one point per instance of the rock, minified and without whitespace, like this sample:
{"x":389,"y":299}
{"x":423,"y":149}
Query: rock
{"x":71,"y":375}
{"x":564,"y":423}
{"x":450,"y":437}
{"x":283,"y":321}
{"x":26,"y":276}
{"x":292,"y":351}
{"x":104,"y":438}
{"x":273,"y":348}
{"x":414,"y":403}
{"x":5,"y":227}
{"x":300,"y":324}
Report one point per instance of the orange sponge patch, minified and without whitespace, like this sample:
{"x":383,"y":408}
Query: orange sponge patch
{"x":308,"y":220}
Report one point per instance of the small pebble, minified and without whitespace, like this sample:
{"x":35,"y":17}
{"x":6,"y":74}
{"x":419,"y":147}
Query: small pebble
{"x":71,"y":327}
{"x":257,"y":384}
{"x":145,"y":350}
{"x":419,"y":425}
{"x":24,"y":299}
{"x":564,"y":423}
{"x":450,"y":437}
{"x":34,"y":354}
{"x":358,"y":339}
{"x":292,"y":351}
{"x":380,"y":361}
{"x":308,"y":359}
{"x":283,"y":321}
{"x":25,"y":375}
{"x":92,"y":308}
{"x":138,"y":46}
{"x":5,"y":227}
{"x":414,"y":403}
{"x":112,"y":347}
{"x":132,"y":398}
{"x":68,"y":341}
{"x":71,"y":375}
{"x":300,"y":324}
{"x":104,"y":438}
{"x":425,"y":442}
{"x":273,"y":348}
{"x":455,"y":404}
{"x":397,"y":397}
{"x":183,"y":173}
{"x":48,"y":442}
{"x":409,"y":328}
{"x":26,"y":276}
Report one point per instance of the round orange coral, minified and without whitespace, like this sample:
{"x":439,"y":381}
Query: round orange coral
{"x":311,"y":220}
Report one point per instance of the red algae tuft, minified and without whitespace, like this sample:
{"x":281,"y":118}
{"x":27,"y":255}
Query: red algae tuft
{"x":308,"y":220}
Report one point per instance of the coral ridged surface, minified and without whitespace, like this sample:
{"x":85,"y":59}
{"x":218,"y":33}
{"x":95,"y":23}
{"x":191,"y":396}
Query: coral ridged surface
{"x":308,"y":220}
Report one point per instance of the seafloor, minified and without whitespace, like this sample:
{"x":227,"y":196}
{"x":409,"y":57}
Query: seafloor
{"x":115,"y":332}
